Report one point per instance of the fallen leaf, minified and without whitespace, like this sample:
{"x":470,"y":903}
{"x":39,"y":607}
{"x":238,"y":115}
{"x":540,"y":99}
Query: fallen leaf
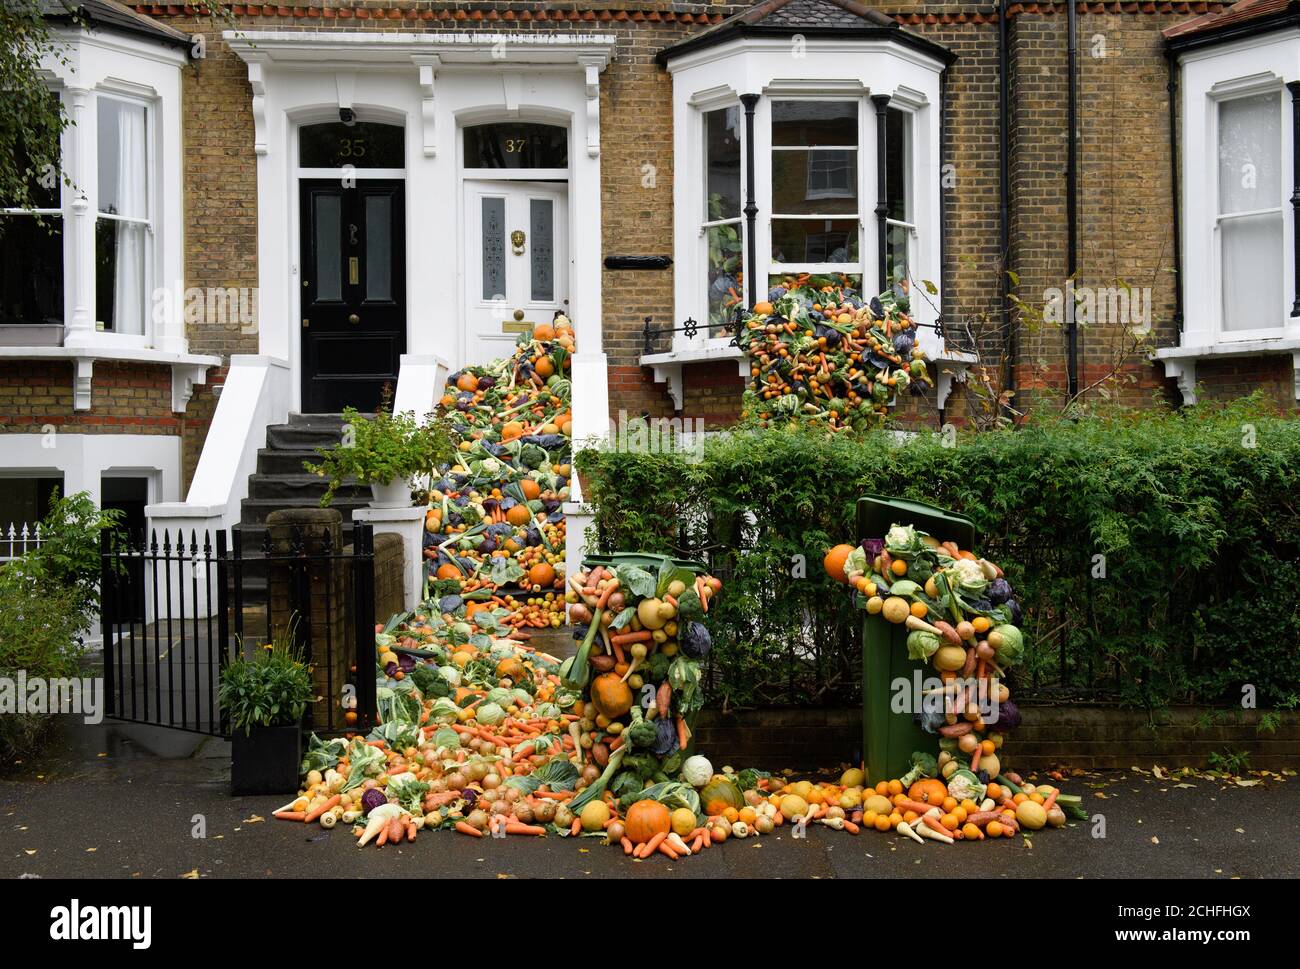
{"x":1241,"y":783}
{"x":1159,"y":774}
{"x":193,"y":873}
{"x":89,"y":850}
{"x":31,"y":851}
{"x":253,"y":820}
{"x":1192,"y":786}
{"x":1155,"y":840}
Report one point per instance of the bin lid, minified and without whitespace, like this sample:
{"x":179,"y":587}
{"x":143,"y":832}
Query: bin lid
{"x":876,"y":514}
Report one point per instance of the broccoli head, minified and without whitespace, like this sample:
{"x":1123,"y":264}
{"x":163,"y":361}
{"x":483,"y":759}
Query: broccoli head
{"x":923,"y":765}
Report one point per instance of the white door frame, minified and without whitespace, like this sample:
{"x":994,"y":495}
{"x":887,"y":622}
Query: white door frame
{"x":434,"y":83}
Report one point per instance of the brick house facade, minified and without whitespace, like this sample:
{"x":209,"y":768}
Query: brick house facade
{"x":617,"y":69}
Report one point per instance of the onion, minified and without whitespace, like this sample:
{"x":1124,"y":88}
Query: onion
{"x":500,"y":807}
{"x":437,"y":786}
{"x":491,"y":782}
{"x":476,"y":772}
{"x":511,"y":794}
{"x":477,"y":819}
{"x":589,"y":774}
{"x":616,"y":829}
{"x":456,"y":779}
{"x":523,"y":813}
{"x":545,"y":812}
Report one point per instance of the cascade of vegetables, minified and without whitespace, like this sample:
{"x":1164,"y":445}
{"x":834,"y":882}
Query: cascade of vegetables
{"x":963,"y":619}
{"x":494,"y":529}
{"x":481,"y":733}
{"x":821,"y":354}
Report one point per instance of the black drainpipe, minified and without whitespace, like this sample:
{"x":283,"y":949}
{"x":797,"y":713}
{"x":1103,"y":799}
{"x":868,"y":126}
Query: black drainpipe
{"x":1072,"y":192}
{"x":751,"y":206}
{"x":1172,"y":88}
{"x":1294,"y":88}
{"x":1004,"y":190}
{"x":881,"y":101}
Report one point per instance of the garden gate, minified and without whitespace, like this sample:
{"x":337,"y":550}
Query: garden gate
{"x":205,"y":599}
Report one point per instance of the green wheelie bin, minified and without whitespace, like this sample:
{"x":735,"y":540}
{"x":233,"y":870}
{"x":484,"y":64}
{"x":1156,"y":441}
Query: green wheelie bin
{"x":890,"y":737}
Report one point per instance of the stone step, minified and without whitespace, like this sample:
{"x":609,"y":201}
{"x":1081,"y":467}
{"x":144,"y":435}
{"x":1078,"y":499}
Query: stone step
{"x":304,"y":436}
{"x":253,"y":511}
{"x":300,"y":490}
{"x":277,"y":461}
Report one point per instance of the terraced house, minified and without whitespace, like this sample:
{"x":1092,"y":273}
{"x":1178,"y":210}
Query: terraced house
{"x":290,"y":209}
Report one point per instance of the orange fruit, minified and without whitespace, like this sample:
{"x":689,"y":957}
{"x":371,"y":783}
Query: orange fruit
{"x":467,"y":382}
{"x":919,"y":609}
{"x":543,"y":332}
{"x":544,"y":367}
{"x":747,"y":814}
{"x":763,"y":308}
{"x":949,"y":804}
{"x":543,"y":574}
{"x":447,"y":571}
{"x":895,"y":787}
{"x":511,"y":430}
{"x":970,"y":831}
{"x":532,"y":490}
{"x":834,"y":561}
{"x":949,"y":821}
{"x":898,"y":567}
{"x":993,"y":829}
{"x":519,"y":515}
{"x":882,"y":822}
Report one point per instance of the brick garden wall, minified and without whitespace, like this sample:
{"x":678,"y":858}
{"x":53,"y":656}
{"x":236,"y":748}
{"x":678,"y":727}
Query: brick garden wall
{"x":1050,"y":736}
{"x":126,"y":398}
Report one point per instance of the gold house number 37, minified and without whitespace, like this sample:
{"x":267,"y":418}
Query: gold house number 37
{"x":515,"y":145}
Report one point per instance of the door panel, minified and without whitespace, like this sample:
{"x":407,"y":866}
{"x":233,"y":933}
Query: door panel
{"x":353,"y":323}
{"x":516,"y":262}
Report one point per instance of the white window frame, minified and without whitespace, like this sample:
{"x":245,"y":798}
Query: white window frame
{"x":1210,"y":77}
{"x":115,"y":93}
{"x":908,"y":225}
{"x":861,"y":151}
{"x":738,"y":220}
{"x":1218,"y":217}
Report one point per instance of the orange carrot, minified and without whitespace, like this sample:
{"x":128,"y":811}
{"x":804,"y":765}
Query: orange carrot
{"x":516,"y":827}
{"x":851,"y":828}
{"x":626,"y":842}
{"x":468,"y":829}
{"x":383,"y":837}
{"x":410,"y":830}
{"x":609,"y":590}
{"x":291,"y":815}
{"x":655,"y":841}
{"x":626,"y":639}
{"x":1051,"y":799}
{"x":668,"y":850}
{"x":323,"y":808}
{"x":575,"y":827}
{"x":683,"y":735}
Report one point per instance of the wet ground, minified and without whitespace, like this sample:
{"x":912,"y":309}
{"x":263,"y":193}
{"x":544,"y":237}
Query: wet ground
{"x":132,"y":802}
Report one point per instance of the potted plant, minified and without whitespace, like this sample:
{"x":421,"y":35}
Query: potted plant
{"x":385,"y":452}
{"x":265,"y":696}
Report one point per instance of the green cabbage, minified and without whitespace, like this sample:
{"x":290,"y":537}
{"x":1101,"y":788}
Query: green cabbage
{"x":489,"y":714}
{"x":444,"y":710}
{"x":922,"y":645}
{"x":1012,"y":648}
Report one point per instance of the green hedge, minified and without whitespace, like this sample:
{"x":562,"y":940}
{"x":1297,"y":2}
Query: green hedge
{"x":1198,"y":528}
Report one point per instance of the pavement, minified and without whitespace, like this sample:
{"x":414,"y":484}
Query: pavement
{"x":119,"y":801}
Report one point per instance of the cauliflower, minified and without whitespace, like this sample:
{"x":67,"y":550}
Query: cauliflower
{"x":969,"y":575}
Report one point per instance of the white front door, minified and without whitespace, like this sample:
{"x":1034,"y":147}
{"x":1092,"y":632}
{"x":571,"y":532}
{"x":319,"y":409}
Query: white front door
{"x":516,"y":262}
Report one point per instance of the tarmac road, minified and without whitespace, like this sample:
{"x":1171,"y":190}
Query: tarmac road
{"x":113,"y":808}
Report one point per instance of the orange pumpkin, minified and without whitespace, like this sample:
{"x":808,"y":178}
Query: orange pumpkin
{"x":610,"y":695}
{"x":467,"y":382}
{"x":544,"y":367}
{"x":519,"y":515}
{"x":448,"y":571}
{"x":645,"y":819}
{"x":834,"y":561}
{"x":543,"y":574}
{"x":511,"y":430}
{"x":511,"y":667}
{"x":718,"y":795}
{"x":543,"y":332}
{"x":531,"y":489}
{"x":928,"y":791}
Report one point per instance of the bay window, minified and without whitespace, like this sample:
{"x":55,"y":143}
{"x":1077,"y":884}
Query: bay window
{"x":815,"y":220}
{"x":722,"y":226}
{"x":31,"y":270}
{"x":123,"y":231}
{"x":1249,"y":217}
{"x":900,"y":221}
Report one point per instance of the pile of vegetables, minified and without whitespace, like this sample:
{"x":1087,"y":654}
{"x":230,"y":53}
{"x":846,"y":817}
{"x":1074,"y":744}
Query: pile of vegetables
{"x":962,"y":618}
{"x":821,"y":354}
{"x":640,"y":622}
{"x":494,"y":520}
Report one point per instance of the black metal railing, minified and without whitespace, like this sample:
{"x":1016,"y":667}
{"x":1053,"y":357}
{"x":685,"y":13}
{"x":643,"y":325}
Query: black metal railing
{"x":175,"y":612}
{"x":691,"y":328}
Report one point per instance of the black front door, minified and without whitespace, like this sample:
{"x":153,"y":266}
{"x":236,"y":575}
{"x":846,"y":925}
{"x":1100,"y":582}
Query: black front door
{"x":353,"y":292}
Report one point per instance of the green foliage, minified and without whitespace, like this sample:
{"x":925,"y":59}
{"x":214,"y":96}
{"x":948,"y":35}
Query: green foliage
{"x":1198,"y":529}
{"x":271,"y":688}
{"x":33,"y":120}
{"x":68,"y":557}
{"x":383,"y":449}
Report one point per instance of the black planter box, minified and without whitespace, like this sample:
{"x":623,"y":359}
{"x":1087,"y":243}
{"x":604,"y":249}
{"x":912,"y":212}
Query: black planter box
{"x":266,"y":760}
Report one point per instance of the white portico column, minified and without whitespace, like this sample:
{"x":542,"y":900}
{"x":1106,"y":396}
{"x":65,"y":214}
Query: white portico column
{"x":79,"y":249}
{"x":590,"y":369}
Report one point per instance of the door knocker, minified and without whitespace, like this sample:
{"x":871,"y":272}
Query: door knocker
{"x":517,"y":241}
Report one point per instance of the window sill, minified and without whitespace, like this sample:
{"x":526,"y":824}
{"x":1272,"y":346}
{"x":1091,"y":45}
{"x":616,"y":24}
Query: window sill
{"x":1180,"y":362}
{"x":950,"y":368}
{"x":188,"y":369}
{"x":668,"y":366}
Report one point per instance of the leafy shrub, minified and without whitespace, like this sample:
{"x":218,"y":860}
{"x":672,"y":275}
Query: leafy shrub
{"x":48,"y":598}
{"x":383,"y":449}
{"x":1198,"y":532}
